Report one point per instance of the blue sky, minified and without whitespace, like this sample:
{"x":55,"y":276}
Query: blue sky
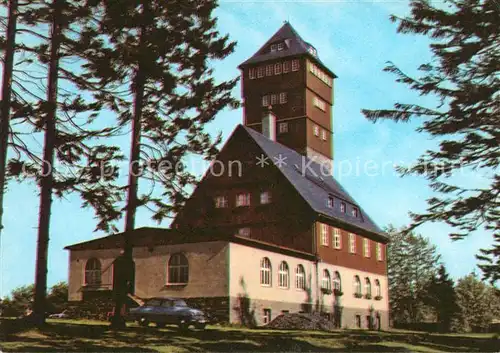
{"x":354,"y":39}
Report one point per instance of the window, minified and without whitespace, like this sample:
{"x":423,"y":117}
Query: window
{"x":266,"y":317}
{"x":286,"y":66}
{"x":352,"y":243}
{"x":378,"y":290}
{"x":312,"y":51}
{"x":221,"y":202}
{"x":324,"y":235}
{"x":319,"y":103}
{"x":300,"y":277}
{"x":281,"y":46}
{"x":244,"y":232}
{"x":323,"y":135}
{"x":274,"y":99}
{"x":368,"y":288}
{"x":265,"y":272}
{"x":316,"y":130}
{"x":326,"y":282}
{"x":366,"y":247}
{"x":357,"y":286}
{"x":295,"y":65}
{"x":285,"y":312}
{"x":251,"y":74}
{"x":274,"y":47}
{"x":277,"y":69}
{"x":337,"y":283}
{"x":379,"y":252}
{"x":269,"y":70}
{"x":283,"y":97}
{"x":354,"y":212}
{"x":283,"y":275}
{"x":93,"y":272}
{"x":265,"y":197}
{"x":320,"y":74}
{"x":260,"y":72}
{"x":283,"y":128}
{"x":330,"y":202}
{"x":358,"y":321}
{"x":265,"y":101}
{"x":342,"y":207}
{"x":337,"y":238}
{"x":243,"y":200}
{"x":178,"y":269}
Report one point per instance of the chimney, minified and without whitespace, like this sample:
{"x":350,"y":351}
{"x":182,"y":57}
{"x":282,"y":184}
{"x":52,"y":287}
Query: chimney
{"x":269,"y":125}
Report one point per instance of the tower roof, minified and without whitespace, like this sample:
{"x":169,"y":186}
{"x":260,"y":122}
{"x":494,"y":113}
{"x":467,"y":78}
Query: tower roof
{"x":295,"y":46}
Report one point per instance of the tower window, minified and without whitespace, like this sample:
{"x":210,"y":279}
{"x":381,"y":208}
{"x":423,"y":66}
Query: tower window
{"x":283,"y":128}
{"x":316,"y":130}
{"x":274,"y":99}
{"x":251,"y":73}
{"x":295,"y":65}
{"x":221,"y":202}
{"x":244,"y":232}
{"x":265,"y":197}
{"x":277,"y":69}
{"x":319,"y":103}
{"x":283,"y":97}
{"x":243,"y":200}
{"x":281,"y":46}
{"x":274,"y":47}
{"x":269,"y":70}
{"x":323,"y":135}
{"x":260,"y":72}
{"x":286,"y":66}
{"x":265,"y":101}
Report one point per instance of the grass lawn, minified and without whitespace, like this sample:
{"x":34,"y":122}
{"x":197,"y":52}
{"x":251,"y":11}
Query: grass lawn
{"x":71,"y":335}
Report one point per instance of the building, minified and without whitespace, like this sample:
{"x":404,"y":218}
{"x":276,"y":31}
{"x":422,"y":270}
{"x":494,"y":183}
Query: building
{"x":268,"y":230}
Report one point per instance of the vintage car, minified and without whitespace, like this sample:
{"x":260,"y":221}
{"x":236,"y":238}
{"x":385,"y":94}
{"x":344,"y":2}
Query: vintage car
{"x":168,"y":311}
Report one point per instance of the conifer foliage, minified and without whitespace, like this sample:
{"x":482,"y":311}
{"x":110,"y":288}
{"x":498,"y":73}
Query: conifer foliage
{"x":464,"y":78}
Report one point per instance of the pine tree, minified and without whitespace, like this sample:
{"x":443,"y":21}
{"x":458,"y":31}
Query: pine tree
{"x":463,"y":76}
{"x":157,"y":66}
{"x":411,"y":263}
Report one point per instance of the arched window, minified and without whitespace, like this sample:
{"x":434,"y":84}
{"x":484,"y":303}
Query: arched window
{"x":326,"y":282}
{"x":368,"y":287}
{"x":378,"y":290}
{"x":357,"y":286}
{"x":178,"y":269}
{"x":300,"y":277}
{"x":93,"y":272}
{"x":265,"y":272}
{"x":337,"y":283}
{"x":283,"y":275}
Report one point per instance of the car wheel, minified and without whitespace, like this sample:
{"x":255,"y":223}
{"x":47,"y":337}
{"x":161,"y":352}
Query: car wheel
{"x":200,"y":326}
{"x":143,"y":321}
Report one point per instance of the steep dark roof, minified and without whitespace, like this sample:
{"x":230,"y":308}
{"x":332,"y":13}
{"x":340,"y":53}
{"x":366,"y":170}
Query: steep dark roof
{"x":296,"y":47}
{"x":313,"y":184}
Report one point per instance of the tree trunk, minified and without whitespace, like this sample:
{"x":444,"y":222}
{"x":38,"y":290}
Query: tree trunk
{"x":6,"y":98}
{"x":125,"y":261}
{"x":46,"y":182}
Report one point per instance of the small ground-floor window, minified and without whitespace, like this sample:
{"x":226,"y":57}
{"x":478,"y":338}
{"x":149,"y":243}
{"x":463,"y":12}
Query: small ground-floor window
{"x":369,"y":322}
{"x":284,"y":312}
{"x":267,"y":316}
{"x":358,"y":321}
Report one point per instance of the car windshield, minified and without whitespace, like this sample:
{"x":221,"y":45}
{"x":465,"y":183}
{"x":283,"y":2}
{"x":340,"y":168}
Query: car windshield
{"x":180,"y":303}
{"x":166,"y":303}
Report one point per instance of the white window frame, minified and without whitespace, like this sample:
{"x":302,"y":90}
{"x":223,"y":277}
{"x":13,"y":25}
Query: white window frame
{"x":337,"y":238}
{"x":274,"y":47}
{"x":283,"y":128}
{"x":269,"y":70}
{"x":326,"y":280}
{"x":316,"y":130}
{"x":320,"y":104}
{"x":379,"y":252}
{"x":274,"y":99}
{"x":283,"y":97}
{"x":352,"y":243}
{"x":366,"y":247}
{"x":266,"y":272}
{"x":221,"y":201}
{"x":251,"y":74}
{"x":295,"y":65}
{"x":277,"y":68}
{"x":266,"y":316}
{"x":300,"y":277}
{"x":265,"y":197}
{"x":324,"y":234}
{"x":243,"y":199}
{"x":260,"y":72}
{"x":281,"y":46}
{"x":284,"y":275}
{"x":265,"y":100}
{"x":286,"y":67}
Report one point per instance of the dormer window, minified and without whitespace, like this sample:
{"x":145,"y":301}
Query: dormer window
{"x":342,"y":207}
{"x":313,"y":51}
{"x":274,"y":47}
{"x":354,"y":212}
{"x":330,"y":202}
{"x":221,"y":202}
{"x":281,"y":46}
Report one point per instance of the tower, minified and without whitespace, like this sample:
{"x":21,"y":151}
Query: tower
{"x":286,"y":78}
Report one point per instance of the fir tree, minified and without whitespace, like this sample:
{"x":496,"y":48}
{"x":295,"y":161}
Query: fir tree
{"x":463,"y":76}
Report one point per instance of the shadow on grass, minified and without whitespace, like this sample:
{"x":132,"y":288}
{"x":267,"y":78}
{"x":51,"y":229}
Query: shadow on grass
{"x":64,"y":336}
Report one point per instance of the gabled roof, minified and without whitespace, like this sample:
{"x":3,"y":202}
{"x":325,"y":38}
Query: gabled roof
{"x":296,"y":46}
{"x":313,"y":184}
